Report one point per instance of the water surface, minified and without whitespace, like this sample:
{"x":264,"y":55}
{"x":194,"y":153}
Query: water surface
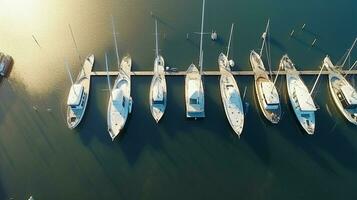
{"x":179,"y":158}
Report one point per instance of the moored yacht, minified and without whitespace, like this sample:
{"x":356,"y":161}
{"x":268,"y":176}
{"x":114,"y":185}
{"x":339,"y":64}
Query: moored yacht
{"x":231,"y":98}
{"x":194,"y":93}
{"x":266,"y":92}
{"x":120,"y":102}
{"x":342,"y":92}
{"x":158,"y":89}
{"x":300,"y":98}
{"x":79,"y":93}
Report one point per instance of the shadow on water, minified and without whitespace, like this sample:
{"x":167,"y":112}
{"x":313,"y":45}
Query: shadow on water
{"x":257,"y":139}
{"x":30,"y":126}
{"x":93,"y":124}
{"x":274,"y":42}
{"x":161,"y":21}
{"x":3,"y":194}
{"x":335,"y":144}
{"x":220,"y":41}
{"x":143,"y":128}
{"x":310,"y":32}
{"x":310,"y":46}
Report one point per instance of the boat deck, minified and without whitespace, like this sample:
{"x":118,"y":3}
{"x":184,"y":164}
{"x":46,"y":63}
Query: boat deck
{"x":213,"y":73}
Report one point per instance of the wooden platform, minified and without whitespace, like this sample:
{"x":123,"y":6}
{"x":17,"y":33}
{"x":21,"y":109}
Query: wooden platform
{"x":210,"y":73}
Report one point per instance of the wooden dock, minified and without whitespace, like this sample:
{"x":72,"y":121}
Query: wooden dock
{"x":212,"y":73}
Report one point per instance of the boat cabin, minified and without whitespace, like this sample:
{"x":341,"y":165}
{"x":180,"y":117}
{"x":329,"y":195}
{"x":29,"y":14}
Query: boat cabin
{"x":304,"y":99}
{"x":348,"y":96}
{"x":270,"y":95}
{"x":118,"y":98}
{"x":75,"y":99}
{"x":193,"y":92}
{"x":158,"y":94}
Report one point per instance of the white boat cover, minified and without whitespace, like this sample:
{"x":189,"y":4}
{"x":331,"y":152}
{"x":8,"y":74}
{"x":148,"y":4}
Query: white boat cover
{"x":158,"y":92}
{"x":75,"y":95}
{"x":270,"y":93}
{"x":304,"y":99}
{"x":350,"y":94}
{"x":233,"y":95}
{"x":193,"y":89}
{"x":117,"y":97}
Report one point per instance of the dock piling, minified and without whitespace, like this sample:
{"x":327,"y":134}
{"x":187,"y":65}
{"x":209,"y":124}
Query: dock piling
{"x":313,"y":42}
{"x":303,"y":26}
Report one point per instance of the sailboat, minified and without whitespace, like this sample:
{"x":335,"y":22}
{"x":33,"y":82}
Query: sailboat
{"x":194,"y":93}
{"x":158,"y":90}
{"x":120,"y":101}
{"x":300,"y":97}
{"x":342,"y":92}
{"x":266,"y":92}
{"x":79,"y":93}
{"x":230,"y":94}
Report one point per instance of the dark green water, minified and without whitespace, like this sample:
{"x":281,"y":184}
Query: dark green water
{"x":179,"y":158}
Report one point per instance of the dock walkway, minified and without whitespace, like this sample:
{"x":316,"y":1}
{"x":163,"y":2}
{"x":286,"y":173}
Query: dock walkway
{"x":213,"y":73}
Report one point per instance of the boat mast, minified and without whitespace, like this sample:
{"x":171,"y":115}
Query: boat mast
{"x":264,"y":37}
{"x":115,"y":42}
{"x":106,"y":67}
{"x":201,"y":53}
{"x":68,"y":71}
{"x":230,"y":38}
{"x":349,"y":52}
{"x":70,"y":75}
{"x":75,"y":43}
{"x":156,"y":41}
{"x":318,"y":76}
{"x":277,"y":74}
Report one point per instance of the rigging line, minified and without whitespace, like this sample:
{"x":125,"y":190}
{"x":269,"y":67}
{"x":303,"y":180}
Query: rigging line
{"x":318,"y":76}
{"x":202,"y":23}
{"x":269,"y":52}
{"x":75,"y":43}
{"x":156,"y":41}
{"x":115,"y":42}
{"x":68,"y":71}
{"x":349,"y":52}
{"x":108,"y":79}
{"x":230,"y":38}
{"x":268,"y":61}
{"x":264,"y":37}
{"x":354,"y":65}
{"x":70,"y":75}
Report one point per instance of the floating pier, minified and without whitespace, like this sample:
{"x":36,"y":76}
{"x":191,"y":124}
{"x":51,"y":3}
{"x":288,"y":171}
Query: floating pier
{"x":215,"y":73}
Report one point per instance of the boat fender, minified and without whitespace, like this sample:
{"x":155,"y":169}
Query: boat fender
{"x":231,"y":63}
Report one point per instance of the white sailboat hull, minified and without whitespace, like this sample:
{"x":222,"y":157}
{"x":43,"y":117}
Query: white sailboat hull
{"x":336,"y":82}
{"x":230,"y":95}
{"x":261,"y":77}
{"x":194,"y":91}
{"x":120,"y":108}
{"x":305,"y":118}
{"x":75,"y":115}
{"x":349,"y":114}
{"x":232,"y":102}
{"x":299,"y":96}
{"x":158,"y":83}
